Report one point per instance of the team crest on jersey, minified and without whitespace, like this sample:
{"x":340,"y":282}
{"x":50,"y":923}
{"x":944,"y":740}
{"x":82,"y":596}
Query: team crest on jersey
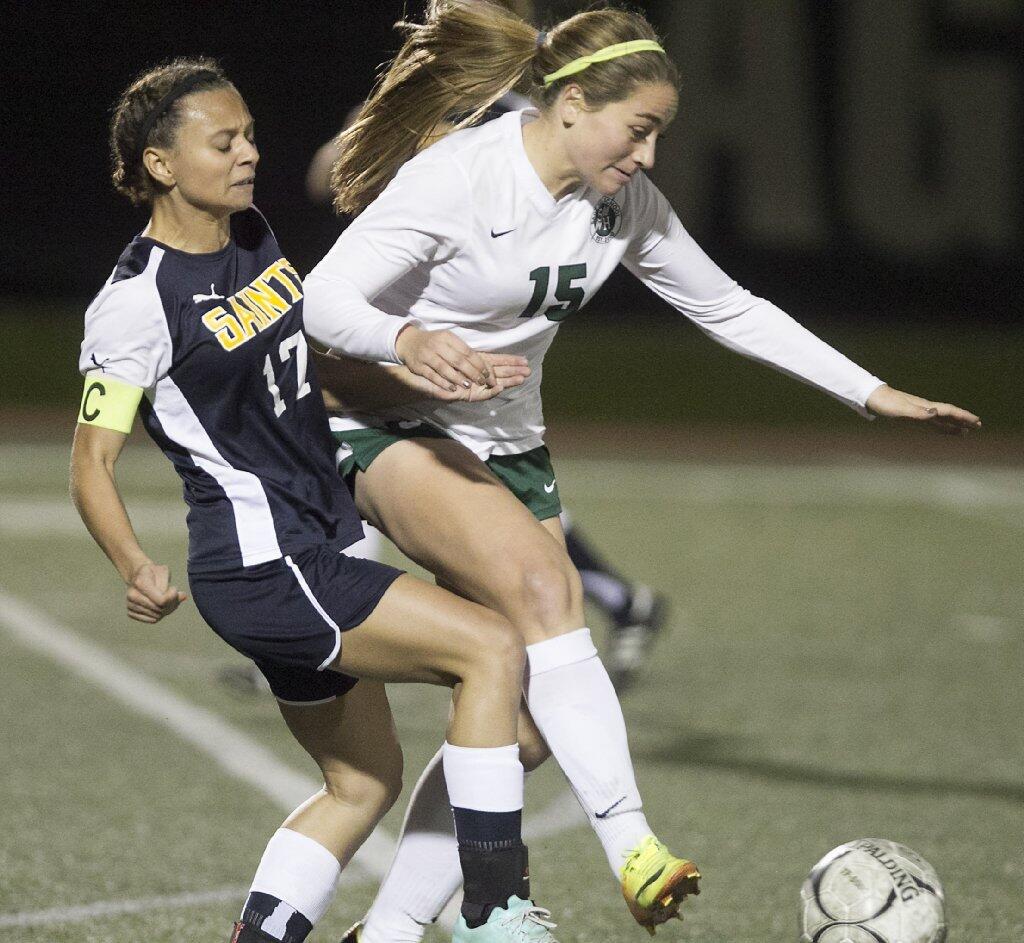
{"x":606,"y":221}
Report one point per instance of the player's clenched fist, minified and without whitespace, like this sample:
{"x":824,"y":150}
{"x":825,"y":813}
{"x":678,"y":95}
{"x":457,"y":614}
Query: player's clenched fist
{"x":443,"y":358}
{"x":150,"y":596}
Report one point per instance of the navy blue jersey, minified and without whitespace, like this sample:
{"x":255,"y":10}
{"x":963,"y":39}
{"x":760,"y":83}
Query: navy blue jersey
{"x":216,"y":341}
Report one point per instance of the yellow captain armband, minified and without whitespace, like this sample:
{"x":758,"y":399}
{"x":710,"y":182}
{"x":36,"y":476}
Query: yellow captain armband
{"x":109,"y":403}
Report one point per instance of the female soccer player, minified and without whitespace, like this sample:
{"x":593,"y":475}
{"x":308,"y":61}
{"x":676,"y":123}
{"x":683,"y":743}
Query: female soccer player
{"x":487,"y":240}
{"x":200,"y":328}
{"x":635,"y":613}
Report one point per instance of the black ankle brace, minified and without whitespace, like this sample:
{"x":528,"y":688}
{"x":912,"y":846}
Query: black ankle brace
{"x":491,"y":877}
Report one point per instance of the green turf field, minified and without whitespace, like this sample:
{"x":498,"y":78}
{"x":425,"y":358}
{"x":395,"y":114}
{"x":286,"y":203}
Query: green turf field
{"x":844,"y":661}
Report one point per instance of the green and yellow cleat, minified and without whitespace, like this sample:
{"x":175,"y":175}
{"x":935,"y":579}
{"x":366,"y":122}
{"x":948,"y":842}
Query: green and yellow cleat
{"x":518,"y":922}
{"x":354,"y":933}
{"x":655,"y":883}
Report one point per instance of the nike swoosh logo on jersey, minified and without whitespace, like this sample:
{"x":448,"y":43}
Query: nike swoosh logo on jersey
{"x":497,"y":235}
{"x":549,"y":489}
{"x":210,"y":297}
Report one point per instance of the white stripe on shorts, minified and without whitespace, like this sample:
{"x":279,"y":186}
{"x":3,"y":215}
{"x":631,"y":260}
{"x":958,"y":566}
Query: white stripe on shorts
{"x":316,"y":605}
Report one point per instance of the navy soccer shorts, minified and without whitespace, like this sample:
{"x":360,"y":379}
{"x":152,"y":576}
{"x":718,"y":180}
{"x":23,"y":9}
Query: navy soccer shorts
{"x":288,"y":615}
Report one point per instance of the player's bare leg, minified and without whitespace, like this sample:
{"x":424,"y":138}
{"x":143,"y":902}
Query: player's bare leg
{"x":352,"y":739}
{"x":445,"y":509}
{"x":416,"y":632}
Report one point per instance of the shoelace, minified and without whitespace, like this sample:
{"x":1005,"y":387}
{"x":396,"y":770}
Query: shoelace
{"x":632,"y":859}
{"x":537,"y":916}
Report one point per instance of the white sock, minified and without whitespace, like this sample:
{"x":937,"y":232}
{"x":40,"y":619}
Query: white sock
{"x":487,"y":779}
{"x":299,"y":871}
{"x":425,"y":873}
{"x":575,"y":707}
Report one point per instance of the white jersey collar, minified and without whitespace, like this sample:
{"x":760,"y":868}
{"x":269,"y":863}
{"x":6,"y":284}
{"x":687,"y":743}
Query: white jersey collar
{"x":524,"y":170}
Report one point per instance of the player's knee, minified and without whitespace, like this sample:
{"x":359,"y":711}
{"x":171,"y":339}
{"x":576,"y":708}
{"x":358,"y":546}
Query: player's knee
{"x":373,"y":791}
{"x":549,"y":591}
{"x":497,"y":650}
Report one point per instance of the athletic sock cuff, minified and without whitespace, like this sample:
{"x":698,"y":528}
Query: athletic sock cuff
{"x":560,"y":651}
{"x":485,"y":779}
{"x":298,"y":870}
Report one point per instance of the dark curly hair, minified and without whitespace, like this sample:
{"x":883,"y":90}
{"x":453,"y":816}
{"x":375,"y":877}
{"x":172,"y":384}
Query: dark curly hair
{"x":134,"y":120}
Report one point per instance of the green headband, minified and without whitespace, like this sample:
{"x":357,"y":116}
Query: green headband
{"x":603,"y":55}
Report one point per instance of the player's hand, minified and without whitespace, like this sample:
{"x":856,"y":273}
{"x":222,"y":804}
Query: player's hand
{"x":508,"y":371}
{"x":150,"y":594}
{"x":442,"y":358}
{"x":952,"y":420}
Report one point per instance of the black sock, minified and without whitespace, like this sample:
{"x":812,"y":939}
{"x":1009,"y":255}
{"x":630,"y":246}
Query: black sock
{"x":602,"y":583}
{"x":261,"y":909}
{"x":494,"y":861}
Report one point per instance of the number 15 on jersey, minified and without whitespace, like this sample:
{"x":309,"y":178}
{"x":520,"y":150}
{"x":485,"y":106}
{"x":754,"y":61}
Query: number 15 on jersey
{"x":571,"y":296}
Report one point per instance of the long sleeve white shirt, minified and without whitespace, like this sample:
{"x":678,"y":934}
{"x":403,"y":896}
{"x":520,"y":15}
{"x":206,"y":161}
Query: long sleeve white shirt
{"x":467,"y":238}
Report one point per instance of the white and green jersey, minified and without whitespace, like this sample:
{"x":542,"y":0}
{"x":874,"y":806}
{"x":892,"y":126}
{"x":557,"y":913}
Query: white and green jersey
{"x":468,"y":239}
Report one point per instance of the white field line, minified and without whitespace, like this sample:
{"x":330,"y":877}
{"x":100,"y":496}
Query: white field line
{"x":117,"y":908}
{"x":989,"y":494}
{"x":993,"y":495}
{"x":52,"y":517}
{"x":230,"y":748}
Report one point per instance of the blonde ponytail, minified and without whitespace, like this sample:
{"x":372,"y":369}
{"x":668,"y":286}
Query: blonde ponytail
{"x":458,"y":63}
{"x":449,"y":71}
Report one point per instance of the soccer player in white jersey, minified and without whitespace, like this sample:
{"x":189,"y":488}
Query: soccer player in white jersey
{"x":487,"y":240}
{"x":199,"y":328}
{"x":635,"y":613}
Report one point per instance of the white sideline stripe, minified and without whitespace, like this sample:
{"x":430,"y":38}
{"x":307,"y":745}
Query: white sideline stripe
{"x":231,"y":749}
{"x":48,"y":517}
{"x":561,"y":815}
{"x":117,"y":908}
{"x":228,"y":747}
{"x":972,"y":493}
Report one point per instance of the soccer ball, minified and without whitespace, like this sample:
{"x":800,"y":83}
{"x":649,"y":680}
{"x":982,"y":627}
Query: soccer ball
{"x":872,"y":891}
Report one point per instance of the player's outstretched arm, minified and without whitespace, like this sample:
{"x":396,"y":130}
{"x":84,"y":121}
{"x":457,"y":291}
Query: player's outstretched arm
{"x":895,"y":404}
{"x":150,"y":595}
{"x":348,"y":383}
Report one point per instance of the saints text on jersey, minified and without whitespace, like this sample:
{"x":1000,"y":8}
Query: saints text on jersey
{"x":255,"y":307}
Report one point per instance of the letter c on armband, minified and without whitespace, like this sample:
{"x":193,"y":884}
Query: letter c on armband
{"x":109,"y":403}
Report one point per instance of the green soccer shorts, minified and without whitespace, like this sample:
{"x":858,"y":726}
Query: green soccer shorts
{"x":528,"y":475}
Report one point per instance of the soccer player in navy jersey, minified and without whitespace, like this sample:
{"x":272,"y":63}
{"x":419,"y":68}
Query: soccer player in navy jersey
{"x":199,"y":328}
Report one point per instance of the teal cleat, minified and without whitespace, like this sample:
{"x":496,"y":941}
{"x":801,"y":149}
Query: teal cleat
{"x":519,"y":922}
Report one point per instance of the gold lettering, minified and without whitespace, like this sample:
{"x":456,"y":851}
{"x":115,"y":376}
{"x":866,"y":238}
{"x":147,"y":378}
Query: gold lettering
{"x":262,"y":296}
{"x":250,"y":317}
{"x":225,"y":327}
{"x":283,"y":271}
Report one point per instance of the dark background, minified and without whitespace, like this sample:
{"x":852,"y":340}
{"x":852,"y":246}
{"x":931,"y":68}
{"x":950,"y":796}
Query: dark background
{"x":858,"y":163}
{"x":300,"y":66}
